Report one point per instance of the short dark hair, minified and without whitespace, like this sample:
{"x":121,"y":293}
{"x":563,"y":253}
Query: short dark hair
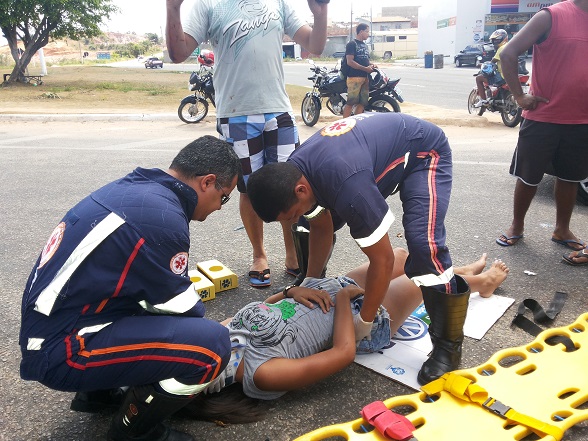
{"x":271,"y":189}
{"x":360,"y":27}
{"x":208,"y":155}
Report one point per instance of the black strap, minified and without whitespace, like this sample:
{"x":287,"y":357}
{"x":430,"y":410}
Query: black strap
{"x":544,"y":317}
{"x":539,"y":314}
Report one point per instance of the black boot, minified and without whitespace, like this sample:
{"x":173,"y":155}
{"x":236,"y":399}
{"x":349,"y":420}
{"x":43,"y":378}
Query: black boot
{"x":140,"y":416}
{"x":301,"y":236}
{"x":97,"y":401}
{"x":447,"y":313}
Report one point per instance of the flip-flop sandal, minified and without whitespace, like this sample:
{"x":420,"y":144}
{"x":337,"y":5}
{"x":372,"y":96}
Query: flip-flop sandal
{"x":294,"y":272}
{"x":257,"y":279}
{"x":569,"y":243}
{"x":505,"y":243}
{"x":580,"y":254}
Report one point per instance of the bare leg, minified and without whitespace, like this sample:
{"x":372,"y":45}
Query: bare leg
{"x":486,"y":283}
{"x":254,"y":228}
{"x":358,"y":109}
{"x":347,"y":110}
{"x":480,"y":85}
{"x":523,"y":196}
{"x":291,"y":259}
{"x":359,"y":273}
{"x":565,"y":200}
{"x":473,"y":268}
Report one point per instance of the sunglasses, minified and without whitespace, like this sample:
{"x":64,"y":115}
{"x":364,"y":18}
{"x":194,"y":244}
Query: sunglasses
{"x":225,"y":197}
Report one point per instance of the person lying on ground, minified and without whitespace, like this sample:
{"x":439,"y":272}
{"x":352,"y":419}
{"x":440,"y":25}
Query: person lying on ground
{"x":305,"y":343}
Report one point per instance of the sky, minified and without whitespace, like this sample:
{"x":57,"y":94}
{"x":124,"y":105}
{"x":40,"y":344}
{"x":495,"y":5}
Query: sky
{"x":149,"y":15}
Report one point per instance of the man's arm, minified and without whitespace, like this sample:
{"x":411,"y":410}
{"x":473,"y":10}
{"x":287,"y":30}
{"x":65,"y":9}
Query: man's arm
{"x":314,"y":39}
{"x":320,"y":242}
{"x":537,"y":28}
{"x":378,"y":278}
{"x":179,"y":44}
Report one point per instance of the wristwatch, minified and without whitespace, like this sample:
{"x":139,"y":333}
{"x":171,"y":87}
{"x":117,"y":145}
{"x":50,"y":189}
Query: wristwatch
{"x":288,"y":288}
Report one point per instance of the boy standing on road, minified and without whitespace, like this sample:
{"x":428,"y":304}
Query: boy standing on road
{"x":254,"y":113}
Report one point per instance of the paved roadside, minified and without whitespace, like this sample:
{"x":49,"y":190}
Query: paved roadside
{"x":434,"y":114}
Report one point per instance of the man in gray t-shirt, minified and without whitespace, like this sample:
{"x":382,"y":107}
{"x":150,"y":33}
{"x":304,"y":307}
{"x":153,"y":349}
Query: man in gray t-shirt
{"x":253,"y":110}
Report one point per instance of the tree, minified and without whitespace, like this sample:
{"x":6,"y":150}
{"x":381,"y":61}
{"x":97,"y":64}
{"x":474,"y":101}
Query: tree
{"x":154,"y":38}
{"x":34,"y":22}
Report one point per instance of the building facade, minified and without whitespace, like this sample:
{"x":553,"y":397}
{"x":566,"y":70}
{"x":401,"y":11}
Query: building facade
{"x":448,"y":26}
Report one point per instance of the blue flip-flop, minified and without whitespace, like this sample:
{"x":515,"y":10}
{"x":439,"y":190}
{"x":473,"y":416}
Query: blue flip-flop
{"x":257,"y":279}
{"x":568,"y":243}
{"x":294,"y":272}
{"x":505,"y":243}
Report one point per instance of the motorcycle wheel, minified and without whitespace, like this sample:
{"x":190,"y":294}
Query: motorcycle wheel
{"x":583,"y":191}
{"x":192,"y":113}
{"x":310,"y":110}
{"x":472,"y":99}
{"x":512,"y":113}
{"x":383,"y":103}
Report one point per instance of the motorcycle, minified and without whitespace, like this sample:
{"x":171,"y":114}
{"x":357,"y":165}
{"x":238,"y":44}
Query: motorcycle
{"x":194,"y":108}
{"x":500,"y":99}
{"x":332,"y":86}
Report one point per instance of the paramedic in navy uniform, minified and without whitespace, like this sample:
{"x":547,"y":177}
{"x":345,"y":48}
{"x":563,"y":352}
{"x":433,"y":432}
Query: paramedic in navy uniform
{"x":349,"y":168}
{"x":109,"y":303}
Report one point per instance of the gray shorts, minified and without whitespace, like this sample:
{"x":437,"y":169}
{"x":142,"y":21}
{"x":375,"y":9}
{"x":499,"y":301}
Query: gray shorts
{"x":560,"y":150}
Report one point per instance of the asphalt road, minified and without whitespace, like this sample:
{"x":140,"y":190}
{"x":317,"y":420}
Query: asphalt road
{"x":447,"y":88}
{"x":47,"y":167}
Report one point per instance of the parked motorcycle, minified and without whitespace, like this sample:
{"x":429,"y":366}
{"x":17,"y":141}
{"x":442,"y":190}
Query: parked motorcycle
{"x":500,"y":99}
{"x":332,"y":86}
{"x":194,"y":108}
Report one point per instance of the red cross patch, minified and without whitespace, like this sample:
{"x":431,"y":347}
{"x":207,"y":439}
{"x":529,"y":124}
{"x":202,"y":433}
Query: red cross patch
{"x":339,"y":127}
{"x":179,"y":263}
{"x":52,"y":244}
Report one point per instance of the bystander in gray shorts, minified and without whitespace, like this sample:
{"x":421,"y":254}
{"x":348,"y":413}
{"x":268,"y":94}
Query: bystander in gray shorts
{"x":560,"y":150}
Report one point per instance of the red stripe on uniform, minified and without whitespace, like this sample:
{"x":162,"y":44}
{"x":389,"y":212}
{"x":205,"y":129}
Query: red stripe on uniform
{"x":432,"y":222}
{"x":123,"y":276}
{"x":390,"y":167}
{"x":155,"y":345}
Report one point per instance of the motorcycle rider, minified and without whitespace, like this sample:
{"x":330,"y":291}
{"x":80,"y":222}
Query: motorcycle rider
{"x":499,"y":38}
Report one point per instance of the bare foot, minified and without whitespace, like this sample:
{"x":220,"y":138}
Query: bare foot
{"x":493,"y":278}
{"x":473,"y":268}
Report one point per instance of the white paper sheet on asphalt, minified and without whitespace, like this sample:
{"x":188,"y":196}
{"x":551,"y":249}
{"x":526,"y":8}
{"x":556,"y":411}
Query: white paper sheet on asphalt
{"x":411,"y":344}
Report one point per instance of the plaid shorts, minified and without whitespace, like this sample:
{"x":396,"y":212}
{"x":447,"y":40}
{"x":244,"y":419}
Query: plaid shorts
{"x":259,"y":139}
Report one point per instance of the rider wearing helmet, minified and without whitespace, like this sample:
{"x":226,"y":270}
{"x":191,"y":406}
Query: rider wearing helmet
{"x":499,"y":38}
{"x":206,"y":58}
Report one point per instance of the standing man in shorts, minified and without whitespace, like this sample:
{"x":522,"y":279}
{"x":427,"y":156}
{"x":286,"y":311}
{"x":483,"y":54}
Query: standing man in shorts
{"x":553,"y":137}
{"x":357,"y":55}
{"x":254,"y":113}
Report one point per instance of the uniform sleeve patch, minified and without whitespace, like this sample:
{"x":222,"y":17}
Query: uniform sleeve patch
{"x":339,"y":127}
{"x":179,"y":263}
{"x":52,"y":244}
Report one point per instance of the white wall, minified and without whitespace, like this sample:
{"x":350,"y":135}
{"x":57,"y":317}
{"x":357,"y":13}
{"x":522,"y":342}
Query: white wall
{"x":451,"y":39}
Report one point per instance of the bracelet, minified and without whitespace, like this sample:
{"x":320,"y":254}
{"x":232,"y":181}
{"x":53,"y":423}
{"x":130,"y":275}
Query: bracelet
{"x":286,"y":289}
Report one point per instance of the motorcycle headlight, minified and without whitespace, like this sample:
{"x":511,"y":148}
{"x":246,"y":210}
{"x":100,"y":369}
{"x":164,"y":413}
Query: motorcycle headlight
{"x":189,"y":87}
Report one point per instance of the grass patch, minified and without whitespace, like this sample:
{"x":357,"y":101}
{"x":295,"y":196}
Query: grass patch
{"x":98,"y":88}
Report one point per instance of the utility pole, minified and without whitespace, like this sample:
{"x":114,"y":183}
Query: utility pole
{"x":351,"y":24}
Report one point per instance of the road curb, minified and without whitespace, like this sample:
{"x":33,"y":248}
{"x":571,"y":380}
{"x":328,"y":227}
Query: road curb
{"x":449,"y":120}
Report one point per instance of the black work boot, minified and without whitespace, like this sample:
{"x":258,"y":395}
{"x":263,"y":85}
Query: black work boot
{"x":140,"y":416}
{"x":301,"y":236}
{"x":447,"y":313}
{"x":97,"y":401}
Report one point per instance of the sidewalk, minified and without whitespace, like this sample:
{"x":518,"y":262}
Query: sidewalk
{"x":433,"y":114}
